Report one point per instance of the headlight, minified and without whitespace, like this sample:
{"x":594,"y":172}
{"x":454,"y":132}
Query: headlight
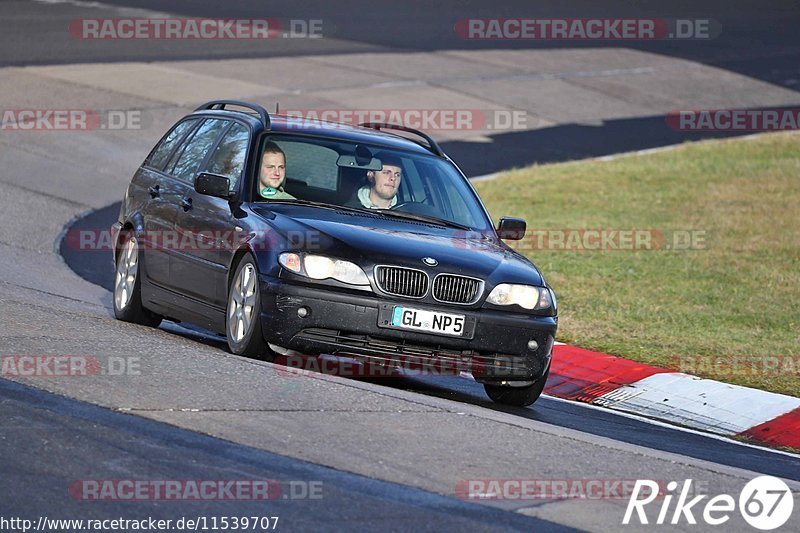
{"x":526,"y":296}
{"x":319,"y":266}
{"x":291,"y":262}
{"x":322,"y":267}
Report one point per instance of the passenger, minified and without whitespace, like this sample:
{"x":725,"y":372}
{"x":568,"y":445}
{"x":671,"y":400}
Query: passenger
{"x":272,"y":174}
{"x":381,"y":192}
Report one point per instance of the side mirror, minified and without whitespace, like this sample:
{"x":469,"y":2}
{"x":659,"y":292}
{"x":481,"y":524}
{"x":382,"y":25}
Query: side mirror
{"x":511,"y":229}
{"x":212,"y":185}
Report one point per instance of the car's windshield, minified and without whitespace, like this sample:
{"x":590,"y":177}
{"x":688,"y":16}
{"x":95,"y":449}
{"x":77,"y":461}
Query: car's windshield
{"x":394,"y":183}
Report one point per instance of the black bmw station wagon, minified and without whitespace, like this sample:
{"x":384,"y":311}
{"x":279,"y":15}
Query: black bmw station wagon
{"x":366,"y":241}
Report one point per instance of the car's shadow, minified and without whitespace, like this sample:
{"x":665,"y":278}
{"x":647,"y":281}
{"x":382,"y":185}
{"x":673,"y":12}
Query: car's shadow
{"x":451,"y":386}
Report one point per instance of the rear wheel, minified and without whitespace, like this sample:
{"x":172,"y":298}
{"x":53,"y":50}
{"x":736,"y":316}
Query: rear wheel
{"x":128,"y":287}
{"x":518,"y":396}
{"x":243,"y":316}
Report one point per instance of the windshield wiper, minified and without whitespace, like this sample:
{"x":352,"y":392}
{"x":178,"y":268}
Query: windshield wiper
{"x":422,"y":218}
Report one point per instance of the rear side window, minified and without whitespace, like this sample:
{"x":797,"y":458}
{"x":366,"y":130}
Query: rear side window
{"x":195,"y":150}
{"x":230,"y":154}
{"x":158,"y":157}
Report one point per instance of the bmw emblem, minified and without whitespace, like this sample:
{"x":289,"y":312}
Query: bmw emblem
{"x":430,"y":261}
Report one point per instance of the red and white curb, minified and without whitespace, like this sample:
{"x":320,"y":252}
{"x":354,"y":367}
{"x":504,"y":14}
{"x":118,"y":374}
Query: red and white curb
{"x":730,"y":410}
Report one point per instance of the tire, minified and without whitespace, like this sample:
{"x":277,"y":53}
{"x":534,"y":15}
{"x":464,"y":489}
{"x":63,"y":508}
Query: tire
{"x":243,"y":313}
{"x":127,"y":295}
{"x":517,"y":396}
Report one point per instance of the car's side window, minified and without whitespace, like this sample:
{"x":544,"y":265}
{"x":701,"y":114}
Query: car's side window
{"x":195,"y":150}
{"x":230,"y":154}
{"x":158,"y":157}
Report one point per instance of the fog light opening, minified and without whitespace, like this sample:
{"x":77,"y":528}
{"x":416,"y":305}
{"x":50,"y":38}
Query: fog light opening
{"x":303,"y":312}
{"x":533,"y":345}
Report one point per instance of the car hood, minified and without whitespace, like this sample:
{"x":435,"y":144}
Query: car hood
{"x":369,"y":239}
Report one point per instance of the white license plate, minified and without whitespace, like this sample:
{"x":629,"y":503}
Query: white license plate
{"x":431,"y":321}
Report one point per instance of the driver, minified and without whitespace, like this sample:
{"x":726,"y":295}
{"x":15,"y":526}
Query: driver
{"x":381,"y":192}
{"x":272,"y":173}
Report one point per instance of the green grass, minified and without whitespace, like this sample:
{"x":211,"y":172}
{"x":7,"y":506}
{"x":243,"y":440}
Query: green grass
{"x":736,"y":299}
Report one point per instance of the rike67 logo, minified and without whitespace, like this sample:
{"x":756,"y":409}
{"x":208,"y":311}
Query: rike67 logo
{"x":765,"y":503}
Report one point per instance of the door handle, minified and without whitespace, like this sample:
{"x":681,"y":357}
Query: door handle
{"x":155,"y":191}
{"x":186,"y":203}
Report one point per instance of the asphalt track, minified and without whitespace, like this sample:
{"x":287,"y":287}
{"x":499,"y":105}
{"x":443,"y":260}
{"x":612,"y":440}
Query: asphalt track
{"x":36,"y":422}
{"x":94,"y":267}
{"x":389,"y":472}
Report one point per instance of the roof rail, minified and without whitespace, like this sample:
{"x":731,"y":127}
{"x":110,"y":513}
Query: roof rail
{"x":220,"y":104}
{"x":433,"y":146}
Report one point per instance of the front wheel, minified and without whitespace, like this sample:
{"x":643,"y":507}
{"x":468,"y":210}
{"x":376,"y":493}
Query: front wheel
{"x":128,"y":288}
{"x":243,"y":316}
{"x":517,"y":396}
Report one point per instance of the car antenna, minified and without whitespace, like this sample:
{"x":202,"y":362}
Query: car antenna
{"x":277,"y":107}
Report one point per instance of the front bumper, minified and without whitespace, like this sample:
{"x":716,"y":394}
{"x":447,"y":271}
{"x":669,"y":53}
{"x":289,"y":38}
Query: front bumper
{"x":342,"y":323}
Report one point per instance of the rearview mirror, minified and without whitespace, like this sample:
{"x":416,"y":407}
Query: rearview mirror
{"x":212,"y":185}
{"x":511,"y":229}
{"x":363,"y":155}
{"x":349,"y":161}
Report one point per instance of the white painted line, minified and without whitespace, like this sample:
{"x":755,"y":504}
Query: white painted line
{"x":699,"y":403}
{"x":646,"y":151}
{"x":485,"y":177}
{"x":668,"y":425}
